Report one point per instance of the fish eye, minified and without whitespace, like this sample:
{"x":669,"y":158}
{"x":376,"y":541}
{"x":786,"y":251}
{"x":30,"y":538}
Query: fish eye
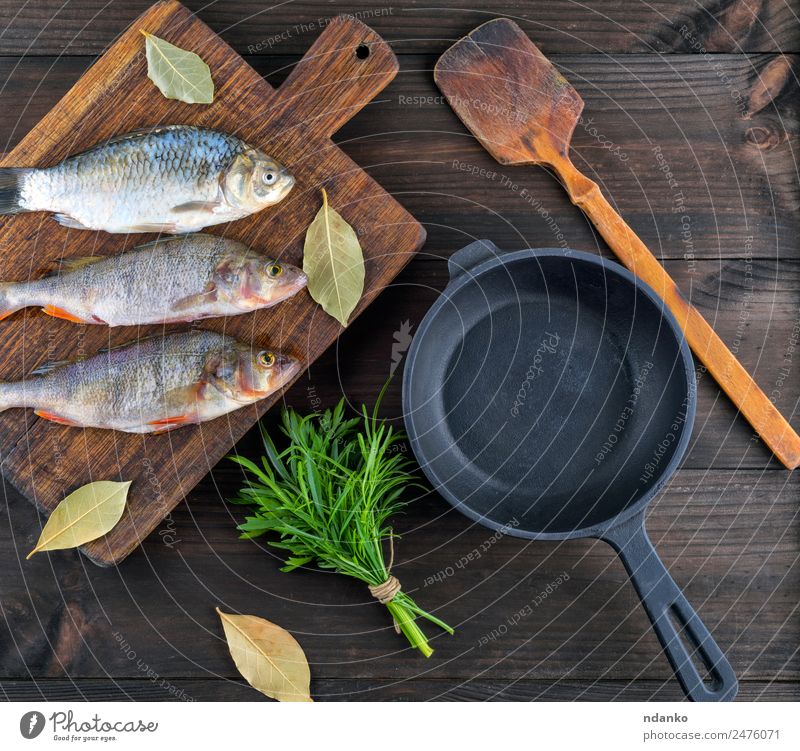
{"x":266,"y":359}
{"x":269,"y":177}
{"x":274,"y":270}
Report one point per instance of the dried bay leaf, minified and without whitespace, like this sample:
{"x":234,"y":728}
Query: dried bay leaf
{"x":268,"y":657}
{"x":334,"y":263}
{"x":88,"y":513}
{"x":179,"y":74}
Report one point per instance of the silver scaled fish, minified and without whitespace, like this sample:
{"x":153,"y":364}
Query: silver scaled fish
{"x":153,"y":385}
{"x":171,"y":179}
{"x":171,"y":280}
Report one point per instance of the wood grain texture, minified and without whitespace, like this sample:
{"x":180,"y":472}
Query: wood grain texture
{"x":524,"y":111}
{"x":729,"y":533}
{"x":730,"y":539}
{"x":324,"y":90}
{"x":664,"y":136}
{"x":754,"y":305}
{"x":88,"y":27}
{"x":424,"y":689}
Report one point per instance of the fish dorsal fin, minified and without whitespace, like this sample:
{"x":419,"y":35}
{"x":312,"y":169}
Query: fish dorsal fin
{"x":131,"y":135}
{"x":65,"y":265}
{"x":171,"y":239}
{"x":49,"y":367}
{"x":129,"y":343}
{"x":146,"y":130}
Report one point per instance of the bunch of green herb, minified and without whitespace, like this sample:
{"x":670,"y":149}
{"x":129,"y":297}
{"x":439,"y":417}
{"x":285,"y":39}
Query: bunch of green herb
{"x":328,"y":497}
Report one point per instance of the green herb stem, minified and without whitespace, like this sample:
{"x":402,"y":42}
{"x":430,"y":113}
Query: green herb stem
{"x":327,"y":498}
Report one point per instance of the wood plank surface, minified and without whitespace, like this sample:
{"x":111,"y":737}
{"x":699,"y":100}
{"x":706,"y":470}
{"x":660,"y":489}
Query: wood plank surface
{"x":731,"y":540}
{"x":523,"y":111}
{"x":251,"y":26}
{"x":753,"y":304}
{"x":47,"y":461}
{"x":728,"y":525}
{"x":427,"y":689}
{"x":664,"y":137}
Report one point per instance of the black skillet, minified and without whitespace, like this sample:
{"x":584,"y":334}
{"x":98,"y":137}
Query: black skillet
{"x":550,"y":394}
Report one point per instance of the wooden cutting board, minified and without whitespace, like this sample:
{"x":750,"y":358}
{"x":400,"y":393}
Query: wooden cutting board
{"x":346,"y":67}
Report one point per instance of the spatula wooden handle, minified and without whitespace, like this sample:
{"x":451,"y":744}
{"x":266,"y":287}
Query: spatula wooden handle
{"x":728,"y":372}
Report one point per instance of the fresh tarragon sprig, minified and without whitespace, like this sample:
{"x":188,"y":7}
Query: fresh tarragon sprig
{"x":329,"y":495}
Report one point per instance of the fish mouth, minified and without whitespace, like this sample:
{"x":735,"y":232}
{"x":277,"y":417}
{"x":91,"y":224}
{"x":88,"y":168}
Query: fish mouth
{"x":287,"y":181}
{"x":287,"y":287}
{"x":299,"y":281}
{"x":289,"y":367}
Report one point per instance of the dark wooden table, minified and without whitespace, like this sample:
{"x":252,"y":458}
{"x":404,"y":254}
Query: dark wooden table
{"x":671,"y":132}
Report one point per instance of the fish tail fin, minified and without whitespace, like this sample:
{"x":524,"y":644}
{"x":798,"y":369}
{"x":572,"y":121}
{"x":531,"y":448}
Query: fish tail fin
{"x":11,"y":189}
{"x":8,"y":301}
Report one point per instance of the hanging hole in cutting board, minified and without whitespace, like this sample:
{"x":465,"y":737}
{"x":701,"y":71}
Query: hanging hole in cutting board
{"x":362,"y":51}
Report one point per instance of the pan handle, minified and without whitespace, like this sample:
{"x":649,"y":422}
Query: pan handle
{"x":674,"y":620}
{"x":466,"y":259}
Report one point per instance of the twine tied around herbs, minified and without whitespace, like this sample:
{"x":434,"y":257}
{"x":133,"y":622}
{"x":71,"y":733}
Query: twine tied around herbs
{"x":386,"y":592}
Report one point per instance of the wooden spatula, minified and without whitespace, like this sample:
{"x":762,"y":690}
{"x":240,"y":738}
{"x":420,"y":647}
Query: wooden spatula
{"x":524,"y":111}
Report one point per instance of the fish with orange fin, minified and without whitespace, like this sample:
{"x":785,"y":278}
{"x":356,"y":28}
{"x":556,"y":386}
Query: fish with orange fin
{"x":153,"y":385}
{"x":171,"y":280}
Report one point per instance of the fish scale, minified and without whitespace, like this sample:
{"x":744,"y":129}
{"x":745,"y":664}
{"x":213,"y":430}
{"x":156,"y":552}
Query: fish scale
{"x":154,"y":384}
{"x":173,"y":179}
{"x":176,"y":279}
